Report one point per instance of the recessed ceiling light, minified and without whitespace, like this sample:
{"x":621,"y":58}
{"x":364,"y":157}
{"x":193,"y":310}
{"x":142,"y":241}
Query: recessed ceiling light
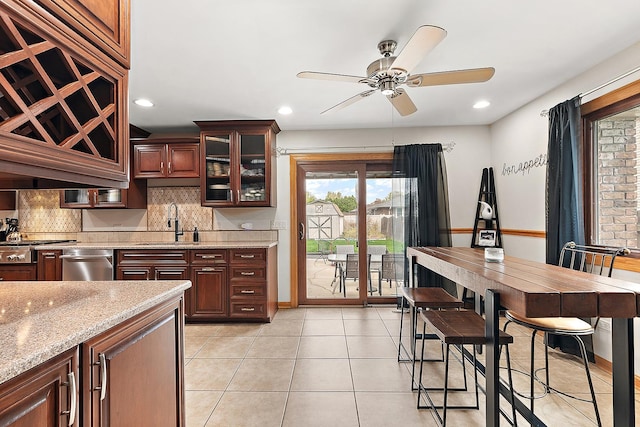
{"x":285,"y":110}
{"x":143,"y":102}
{"x":481,"y":104}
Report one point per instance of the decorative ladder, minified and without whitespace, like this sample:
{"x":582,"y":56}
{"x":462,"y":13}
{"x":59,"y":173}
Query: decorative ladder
{"x":487,"y":194}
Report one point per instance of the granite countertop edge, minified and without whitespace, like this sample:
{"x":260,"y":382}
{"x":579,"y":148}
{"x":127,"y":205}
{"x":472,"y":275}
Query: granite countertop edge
{"x":161,"y":245}
{"x":74,"y":336}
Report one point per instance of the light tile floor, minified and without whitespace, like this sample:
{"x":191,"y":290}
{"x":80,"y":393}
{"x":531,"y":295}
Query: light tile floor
{"x":337,"y":367}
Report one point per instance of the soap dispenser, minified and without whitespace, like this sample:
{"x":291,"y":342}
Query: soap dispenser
{"x":196,"y":235}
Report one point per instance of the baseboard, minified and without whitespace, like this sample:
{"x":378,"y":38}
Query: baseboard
{"x":606,"y":365}
{"x":284,"y":304}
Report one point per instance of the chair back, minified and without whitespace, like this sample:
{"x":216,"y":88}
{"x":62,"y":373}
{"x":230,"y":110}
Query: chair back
{"x":392,"y":267}
{"x":376,"y":249}
{"x":591,"y":259}
{"x":345,"y":249}
{"x":351,"y":266}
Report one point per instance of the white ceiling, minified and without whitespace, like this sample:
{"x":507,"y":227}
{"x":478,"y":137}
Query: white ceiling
{"x":221,"y":60}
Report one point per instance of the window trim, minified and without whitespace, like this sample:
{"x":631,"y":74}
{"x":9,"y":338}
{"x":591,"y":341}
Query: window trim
{"x":616,"y":101}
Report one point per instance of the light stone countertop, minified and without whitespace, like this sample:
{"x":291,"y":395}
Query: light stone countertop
{"x":161,"y":245}
{"x":39,"y":320}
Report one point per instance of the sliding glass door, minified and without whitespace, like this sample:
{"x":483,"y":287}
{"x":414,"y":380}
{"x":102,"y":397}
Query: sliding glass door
{"x":344,"y":232}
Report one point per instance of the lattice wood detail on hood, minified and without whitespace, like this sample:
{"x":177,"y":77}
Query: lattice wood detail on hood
{"x":50,"y":96}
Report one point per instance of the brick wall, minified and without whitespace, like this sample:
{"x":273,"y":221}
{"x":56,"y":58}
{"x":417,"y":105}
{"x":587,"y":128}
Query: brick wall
{"x":617,"y":182}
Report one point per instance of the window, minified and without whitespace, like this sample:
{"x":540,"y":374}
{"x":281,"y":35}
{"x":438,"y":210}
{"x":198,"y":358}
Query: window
{"x":611,"y":126}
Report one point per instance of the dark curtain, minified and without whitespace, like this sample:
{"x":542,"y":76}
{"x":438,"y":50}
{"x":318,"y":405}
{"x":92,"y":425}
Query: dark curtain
{"x":564,"y":197}
{"x":424,"y":200}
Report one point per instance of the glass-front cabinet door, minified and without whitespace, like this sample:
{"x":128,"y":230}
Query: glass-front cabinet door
{"x":218,"y":157}
{"x":253,"y":159}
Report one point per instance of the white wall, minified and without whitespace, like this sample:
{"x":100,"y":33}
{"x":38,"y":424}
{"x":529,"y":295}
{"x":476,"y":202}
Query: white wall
{"x":522,"y":136}
{"x":470,"y":154}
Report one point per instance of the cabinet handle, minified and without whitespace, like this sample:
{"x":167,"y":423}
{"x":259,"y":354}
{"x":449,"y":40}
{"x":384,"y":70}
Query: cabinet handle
{"x":248,"y":309}
{"x":166,"y":272}
{"x":247,"y":291}
{"x":162,"y":167}
{"x":47,"y":254}
{"x":210,"y":256}
{"x":169,"y":169}
{"x":247,"y":256}
{"x":133,"y":272}
{"x":103,"y":376}
{"x":211,"y":269}
{"x":74,"y":399}
{"x":247,"y":273}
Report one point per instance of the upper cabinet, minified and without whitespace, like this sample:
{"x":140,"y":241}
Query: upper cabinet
{"x":63,"y":101}
{"x":238,"y":163}
{"x":166,"y":158}
{"x":104,"y":23}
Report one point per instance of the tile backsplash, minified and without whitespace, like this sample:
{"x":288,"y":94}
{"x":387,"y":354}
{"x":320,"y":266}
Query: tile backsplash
{"x":40,"y":216}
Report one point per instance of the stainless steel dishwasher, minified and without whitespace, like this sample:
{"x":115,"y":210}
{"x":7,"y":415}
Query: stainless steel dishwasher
{"x":87,"y":264}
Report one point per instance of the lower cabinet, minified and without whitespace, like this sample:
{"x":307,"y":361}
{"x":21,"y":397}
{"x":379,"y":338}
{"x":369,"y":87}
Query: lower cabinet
{"x":45,"y":396}
{"x":49,"y":265}
{"x":208,"y":296}
{"x":227,"y":284}
{"x":152,"y":264}
{"x":18,"y":272}
{"x":133,"y":373}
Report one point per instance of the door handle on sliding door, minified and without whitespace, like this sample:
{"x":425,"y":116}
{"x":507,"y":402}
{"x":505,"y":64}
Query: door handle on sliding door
{"x":301,"y":231}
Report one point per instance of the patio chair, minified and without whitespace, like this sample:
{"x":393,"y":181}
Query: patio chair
{"x":351,"y":271}
{"x":337,"y":271}
{"x":392,"y":269}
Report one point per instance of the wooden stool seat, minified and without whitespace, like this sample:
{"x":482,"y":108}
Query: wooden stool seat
{"x":555,"y":325}
{"x":459,"y":327}
{"x":430,"y":298}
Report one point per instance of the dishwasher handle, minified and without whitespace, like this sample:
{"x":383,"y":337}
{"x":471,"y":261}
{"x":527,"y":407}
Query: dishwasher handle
{"x":82,"y":257}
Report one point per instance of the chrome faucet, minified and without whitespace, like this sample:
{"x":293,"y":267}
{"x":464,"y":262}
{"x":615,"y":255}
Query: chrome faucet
{"x":176,"y":227}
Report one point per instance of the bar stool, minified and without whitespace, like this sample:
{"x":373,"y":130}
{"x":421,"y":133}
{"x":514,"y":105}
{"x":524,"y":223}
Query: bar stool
{"x":422,"y":298}
{"x":459,"y":327}
{"x":591,"y":259}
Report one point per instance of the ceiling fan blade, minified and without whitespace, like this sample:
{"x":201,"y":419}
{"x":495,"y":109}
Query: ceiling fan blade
{"x":350,"y":101}
{"x":421,"y":42}
{"x":329,"y":76}
{"x":473,"y":75}
{"x":402,"y":103}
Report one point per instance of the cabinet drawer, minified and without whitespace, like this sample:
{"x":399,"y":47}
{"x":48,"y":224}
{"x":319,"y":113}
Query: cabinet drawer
{"x":152,"y":256}
{"x":248,"y":309}
{"x":244,"y":256}
{"x":248,"y":273}
{"x":208,"y":256}
{"x":248,"y":290}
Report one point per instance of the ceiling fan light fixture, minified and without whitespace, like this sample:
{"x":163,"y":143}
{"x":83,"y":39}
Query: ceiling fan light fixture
{"x":387,"y":87}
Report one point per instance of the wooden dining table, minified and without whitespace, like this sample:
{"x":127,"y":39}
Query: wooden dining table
{"x":536,"y":289}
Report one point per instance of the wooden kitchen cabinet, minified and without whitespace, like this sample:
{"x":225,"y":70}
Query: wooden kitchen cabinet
{"x":7,"y":200}
{"x":166,"y":158}
{"x":64,"y":103}
{"x":238,"y":163}
{"x":152,"y":264}
{"x":17,"y":272}
{"x":208,"y":297}
{"x":133,"y":373}
{"x":252,"y":293}
{"x":49,"y":265}
{"x":104,"y":23}
{"x":47,"y":395}
{"x":135,"y":197}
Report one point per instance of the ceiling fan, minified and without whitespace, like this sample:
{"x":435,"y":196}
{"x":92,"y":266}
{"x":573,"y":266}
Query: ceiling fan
{"x":390,"y":72}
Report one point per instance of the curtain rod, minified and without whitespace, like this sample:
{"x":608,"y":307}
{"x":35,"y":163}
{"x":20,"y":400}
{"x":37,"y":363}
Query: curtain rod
{"x":545,"y":113}
{"x":280,"y":151}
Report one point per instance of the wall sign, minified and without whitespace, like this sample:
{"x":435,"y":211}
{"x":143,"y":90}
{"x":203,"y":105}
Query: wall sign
{"x":525,"y":167}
